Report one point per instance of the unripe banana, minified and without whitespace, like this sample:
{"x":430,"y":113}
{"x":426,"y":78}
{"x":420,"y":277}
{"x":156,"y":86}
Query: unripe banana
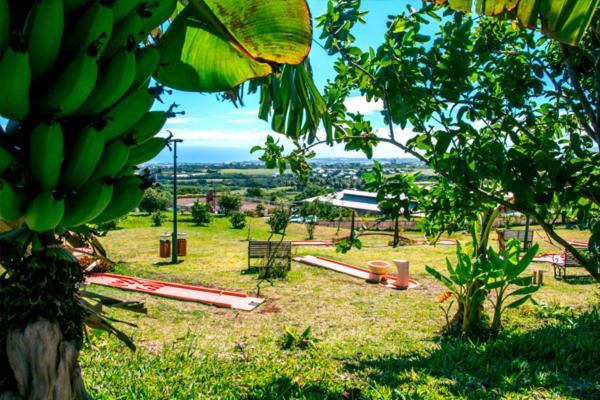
{"x":15,"y":81}
{"x":95,"y":24}
{"x":44,"y":213}
{"x":82,"y":158}
{"x":129,"y":29}
{"x":43,"y":34}
{"x":6,"y":160}
{"x":113,"y":159}
{"x":122,"y":8}
{"x":73,"y":6}
{"x":161,"y":10}
{"x":149,"y":126}
{"x":123,"y":116}
{"x":146,"y":151}
{"x":72,"y":87}
{"x":46,"y":153}
{"x":146,"y":62}
{"x":87,"y":204}
{"x":11,"y":202}
{"x":114,"y":80}
{"x":4,"y":25}
{"x":127,"y":195}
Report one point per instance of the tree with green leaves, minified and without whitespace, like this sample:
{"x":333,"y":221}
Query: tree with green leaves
{"x":503,"y":115}
{"x":230,"y":202}
{"x":201,"y":213}
{"x":156,"y":200}
{"x":78,"y":82}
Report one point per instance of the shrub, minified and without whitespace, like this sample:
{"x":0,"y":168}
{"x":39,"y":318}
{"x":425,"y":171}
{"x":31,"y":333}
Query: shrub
{"x":260,"y":209}
{"x":201,"y":213}
{"x":155,"y":200}
{"x":237,"y":220}
{"x":279,"y":220}
{"x":158,"y":218}
{"x":230,"y":203}
{"x":254,"y":192}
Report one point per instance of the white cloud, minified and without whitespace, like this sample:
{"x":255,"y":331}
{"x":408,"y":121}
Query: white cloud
{"x":182,"y":120}
{"x":361,"y":105}
{"x":244,"y":121}
{"x":242,"y":111}
{"x":221,"y":138}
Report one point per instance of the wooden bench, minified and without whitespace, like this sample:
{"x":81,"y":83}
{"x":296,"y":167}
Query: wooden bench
{"x":568,"y":261}
{"x":278,"y":252}
{"x":504,"y":235}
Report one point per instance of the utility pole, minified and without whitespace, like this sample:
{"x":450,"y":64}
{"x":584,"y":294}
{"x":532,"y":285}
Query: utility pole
{"x":174,"y":240}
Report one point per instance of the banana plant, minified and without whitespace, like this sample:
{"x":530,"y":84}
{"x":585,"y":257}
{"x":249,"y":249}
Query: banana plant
{"x":563,"y":20}
{"x":503,"y":272}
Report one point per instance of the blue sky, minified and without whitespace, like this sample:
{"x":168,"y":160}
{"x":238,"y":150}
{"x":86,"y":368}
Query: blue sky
{"x":214,"y":131}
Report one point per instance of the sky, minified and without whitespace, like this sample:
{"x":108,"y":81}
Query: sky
{"x":215,"y":131}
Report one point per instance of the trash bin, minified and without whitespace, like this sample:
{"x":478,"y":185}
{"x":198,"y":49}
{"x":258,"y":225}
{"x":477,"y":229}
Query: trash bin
{"x":165,"y":246}
{"x":181,"y":244}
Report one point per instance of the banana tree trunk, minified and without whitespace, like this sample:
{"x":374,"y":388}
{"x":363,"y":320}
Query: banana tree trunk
{"x":43,"y":364}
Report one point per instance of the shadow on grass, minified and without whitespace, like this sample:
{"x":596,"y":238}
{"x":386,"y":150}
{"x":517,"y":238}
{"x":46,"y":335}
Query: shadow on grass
{"x":580,"y":280}
{"x":558,"y":358}
{"x":282,"y":387}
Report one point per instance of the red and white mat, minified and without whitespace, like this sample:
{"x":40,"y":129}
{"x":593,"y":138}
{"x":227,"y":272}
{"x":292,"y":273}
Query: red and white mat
{"x":555,"y":258}
{"x":349,"y":269}
{"x":215,"y":297}
{"x":443,"y":242}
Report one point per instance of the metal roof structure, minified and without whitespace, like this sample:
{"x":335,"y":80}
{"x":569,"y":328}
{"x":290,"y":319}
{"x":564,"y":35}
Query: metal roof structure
{"x":352,"y":199}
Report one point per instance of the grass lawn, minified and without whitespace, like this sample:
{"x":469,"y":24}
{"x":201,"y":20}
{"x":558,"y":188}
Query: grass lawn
{"x":372,"y":342}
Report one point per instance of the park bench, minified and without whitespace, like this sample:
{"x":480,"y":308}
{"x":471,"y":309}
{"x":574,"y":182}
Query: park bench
{"x":504,"y":235}
{"x":567,"y":261}
{"x":269,"y":253}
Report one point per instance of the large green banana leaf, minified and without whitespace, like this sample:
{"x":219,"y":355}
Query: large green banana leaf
{"x":563,"y":20}
{"x":215,"y":45}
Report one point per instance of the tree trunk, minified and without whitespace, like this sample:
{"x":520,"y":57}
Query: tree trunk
{"x":43,"y":364}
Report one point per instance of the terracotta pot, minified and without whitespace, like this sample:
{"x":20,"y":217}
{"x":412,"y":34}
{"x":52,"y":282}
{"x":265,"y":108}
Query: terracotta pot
{"x":402,"y":279}
{"x":379,"y":267}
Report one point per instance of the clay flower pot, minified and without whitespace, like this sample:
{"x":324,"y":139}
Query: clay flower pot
{"x":378,"y":270}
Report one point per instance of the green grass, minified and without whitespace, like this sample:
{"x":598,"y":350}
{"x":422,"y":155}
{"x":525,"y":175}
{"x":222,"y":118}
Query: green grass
{"x":249,"y":172}
{"x":373,"y":342}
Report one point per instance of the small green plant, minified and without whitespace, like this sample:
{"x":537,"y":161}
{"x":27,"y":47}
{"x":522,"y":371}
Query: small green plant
{"x":304,"y":340}
{"x":311,"y":224}
{"x":278,"y":221}
{"x":502,"y":273}
{"x":230,"y":203}
{"x":260,"y":209}
{"x":237,"y":220}
{"x":201,"y":213}
{"x":158,"y":218}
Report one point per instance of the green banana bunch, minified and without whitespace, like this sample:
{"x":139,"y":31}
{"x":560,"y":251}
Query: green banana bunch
{"x":127,"y":195}
{"x":126,"y":113}
{"x":43,"y":34}
{"x":82,"y":158}
{"x":44,"y":213}
{"x":161,"y":10}
{"x":72,"y":87}
{"x":146,"y":151}
{"x":129,"y":29}
{"x":94,"y":25}
{"x":11,"y":202}
{"x":46,"y":153}
{"x":122,"y":8}
{"x":149,"y":126}
{"x":114,"y":80}
{"x":6,"y":160}
{"x":4,"y":25}
{"x":15,"y":82}
{"x":146,"y":61}
{"x":113,"y":159}
{"x":87,"y":204}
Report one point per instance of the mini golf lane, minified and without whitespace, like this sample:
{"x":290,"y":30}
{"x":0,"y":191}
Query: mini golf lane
{"x":312,"y":242}
{"x":348,"y":269}
{"x":215,"y":297}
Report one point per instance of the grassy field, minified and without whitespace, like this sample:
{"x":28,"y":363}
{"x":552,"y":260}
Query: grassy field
{"x":250,"y":171}
{"x":371,"y":342}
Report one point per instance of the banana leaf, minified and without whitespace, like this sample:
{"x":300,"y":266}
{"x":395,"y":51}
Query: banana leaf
{"x":213,"y":46}
{"x":563,"y":20}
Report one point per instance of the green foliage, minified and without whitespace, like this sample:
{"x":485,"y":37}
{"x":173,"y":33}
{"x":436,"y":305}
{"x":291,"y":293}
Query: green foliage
{"x":158,"y":218}
{"x":156,"y":200}
{"x":260,"y":209}
{"x":237,"y":220}
{"x":254,"y":192}
{"x":230,"y":202}
{"x":201,"y":213}
{"x":279,"y":220}
{"x":295,"y":340}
